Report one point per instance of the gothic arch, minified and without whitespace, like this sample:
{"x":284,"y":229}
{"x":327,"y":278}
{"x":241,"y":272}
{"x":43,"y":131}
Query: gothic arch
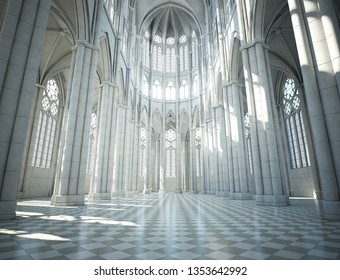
{"x":235,"y":61}
{"x":144,"y":117}
{"x":157,"y":123}
{"x":257,"y":20}
{"x":64,"y":20}
{"x":184,"y":123}
{"x":120,"y":87}
{"x":170,"y":119}
{"x":195,"y":117}
{"x":104,"y":66}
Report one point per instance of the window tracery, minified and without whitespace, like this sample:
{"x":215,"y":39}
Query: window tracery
{"x":294,"y":125}
{"x":170,"y":147}
{"x":46,"y":130}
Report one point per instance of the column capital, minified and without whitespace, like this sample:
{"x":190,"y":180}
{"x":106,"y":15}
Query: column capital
{"x":231,"y":83}
{"x":85,"y":44}
{"x":108,"y":83}
{"x":40,"y":86}
{"x":253,"y":44}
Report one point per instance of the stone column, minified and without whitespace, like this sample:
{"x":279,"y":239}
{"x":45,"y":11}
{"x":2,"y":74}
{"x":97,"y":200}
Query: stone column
{"x":194,"y":160}
{"x":216,"y":152}
{"x":227,"y":145}
{"x":157,"y":163}
{"x":239,"y":143}
{"x":162,"y":160}
{"x":135,"y":159}
{"x":319,"y":59}
{"x":232,"y":156}
{"x":127,"y":164}
{"x":20,"y":53}
{"x":269,"y":187}
{"x":99,"y":182}
{"x":147,"y":173}
{"x":332,"y":35}
{"x":179,"y":187}
{"x":251,"y":110}
{"x":222,"y":145}
{"x":70,"y":179}
{"x":234,"y":140}
{"x":112,"y":164}
{"x":119,"y":150}
{"x":205,"y":158}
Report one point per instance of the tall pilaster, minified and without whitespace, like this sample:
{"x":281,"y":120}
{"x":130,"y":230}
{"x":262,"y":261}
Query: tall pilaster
{"x":318,"y":51}
{"x":22,"y":38}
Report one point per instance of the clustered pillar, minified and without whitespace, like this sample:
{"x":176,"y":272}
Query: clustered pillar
{"x":268,"y":178}
{"x":70,"y":178}
{"x":317,"y":38}
{"x":19,"y":62}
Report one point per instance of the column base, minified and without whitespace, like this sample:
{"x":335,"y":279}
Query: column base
{"x":241,"y":196}
{"x":68,"y":200}
{"x":222,"y":193}
{"x":117,"y":194}
{"x":178,"y":191}
{"x":99,"y":196}
{"x":146,"y":191}
{"x":131,"y":192}
{"x":7,"y":210}
{"x":331,"y":210}
{"x":271,"y":200}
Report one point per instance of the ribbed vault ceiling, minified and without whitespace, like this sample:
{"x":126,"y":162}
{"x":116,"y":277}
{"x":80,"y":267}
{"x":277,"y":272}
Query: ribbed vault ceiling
{"x":170,"y":18}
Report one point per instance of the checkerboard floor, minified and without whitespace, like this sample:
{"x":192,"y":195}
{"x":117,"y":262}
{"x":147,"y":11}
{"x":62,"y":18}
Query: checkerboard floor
{"x":170,"y":226}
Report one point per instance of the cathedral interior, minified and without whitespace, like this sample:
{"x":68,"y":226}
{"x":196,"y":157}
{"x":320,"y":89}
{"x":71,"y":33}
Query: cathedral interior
{"x":182,"y":129}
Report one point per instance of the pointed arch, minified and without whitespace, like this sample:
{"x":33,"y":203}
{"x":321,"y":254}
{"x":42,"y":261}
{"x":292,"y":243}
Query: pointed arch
{"x":184,"y":123}
{"x":104,"y":66}
{"x":144,"y":117}
{"x":157,"y":123}
{"x":195,"y":117}
{"x":235,"y":61}
{"x":121,"y":86}
{"x":82,"y":19}
{"x":170,"y":119}
{"x":257,"y":20}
